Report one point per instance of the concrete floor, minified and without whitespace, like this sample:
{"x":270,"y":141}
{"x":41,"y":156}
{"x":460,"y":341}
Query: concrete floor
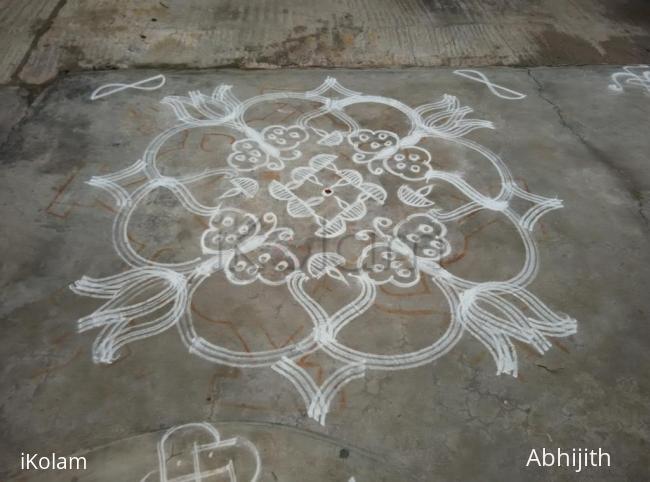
{"x":454,"y":419}
{"x":42,"y":38}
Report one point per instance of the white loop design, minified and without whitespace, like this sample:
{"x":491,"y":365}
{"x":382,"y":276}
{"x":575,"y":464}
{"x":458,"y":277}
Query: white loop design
{"x":496,"y":89}
{"x":194,"y":452}
{"x":157,"y":81}
{"x":629,"y":77}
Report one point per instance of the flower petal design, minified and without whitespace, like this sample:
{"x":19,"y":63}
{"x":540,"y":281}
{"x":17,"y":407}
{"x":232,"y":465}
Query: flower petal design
{"x":199,"y":109}
{"x":491,"y":313}
{"x":415,"y":197}
{"x":132,"y":295}
{"x":447,"y":118}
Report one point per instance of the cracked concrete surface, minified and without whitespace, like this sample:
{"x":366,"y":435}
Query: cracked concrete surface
{"x":15,"y":102}
{"x":455,"y":420}
{"x":44,"y":38}
{"x":593,"y":131}
{"x":22,"y":23}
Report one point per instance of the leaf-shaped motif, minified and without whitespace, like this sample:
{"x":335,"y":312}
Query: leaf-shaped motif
{"x":351,"y":176}
{"x":332,"y":139}
{"x":230,"y":193}
{"x":242,"y":185}
{"x":302,"y":174}
{"x":342,"y":204}
{"x":314,"y":201}
{"x":375,"y":191}
{"x":416,"y":198}
{"x":280,"y":191}
{"x":299,"y":209}
{"x":331,"y":228}
{"x":321,"y":161}
{"x":353,"y":211}
{"x":248,"y":186}
{"x":326,"y":264}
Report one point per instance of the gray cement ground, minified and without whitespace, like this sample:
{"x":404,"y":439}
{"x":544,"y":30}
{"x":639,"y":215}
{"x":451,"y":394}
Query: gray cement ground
{"x":454,"y":420}
{"x":42,"y":38}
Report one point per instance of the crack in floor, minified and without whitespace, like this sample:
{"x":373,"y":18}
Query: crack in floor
{"x":635,"y":191}
{"x":40,"y":32}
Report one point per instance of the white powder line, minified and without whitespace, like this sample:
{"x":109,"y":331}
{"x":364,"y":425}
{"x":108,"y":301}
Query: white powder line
{"x":157,"y":81}
{"x":496,"y":89}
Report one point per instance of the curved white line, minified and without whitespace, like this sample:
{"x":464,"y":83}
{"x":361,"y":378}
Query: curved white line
{"x":496,"y":89}
{"x":108,"y":89}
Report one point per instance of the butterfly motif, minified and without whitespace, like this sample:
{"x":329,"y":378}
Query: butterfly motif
{"x":237,"y":243}
{"x":424,"y":235}
{"x":418,"y":242}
